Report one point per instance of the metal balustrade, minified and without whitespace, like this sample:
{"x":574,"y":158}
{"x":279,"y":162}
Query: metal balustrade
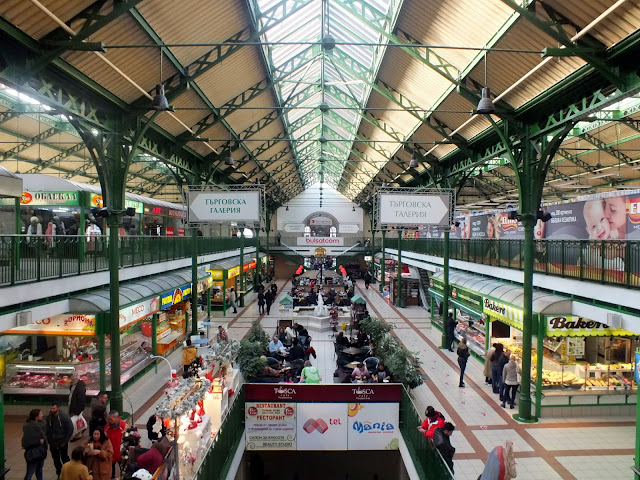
{"x":26,"y":259}
{"x":614,"y":262}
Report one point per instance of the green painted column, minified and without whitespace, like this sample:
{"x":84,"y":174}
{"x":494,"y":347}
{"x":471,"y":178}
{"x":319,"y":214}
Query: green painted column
{"x":446,"y":289}
{"x":194,"y":281}
{"x":102,"y":353}
{"x":542,"y":331}
{"x":372,"y":254}
{"x":154,"y":334}
{"x":225,"y":277}
{"x":209,"y":304}
{"x":399,"y":271}
{"x":382,"y":263}
{"x":524,"y":407}
{"x":17,"y":241}
{"x":114,"y":311}
{"x":258,"y":272}
{"x":240,"y":297}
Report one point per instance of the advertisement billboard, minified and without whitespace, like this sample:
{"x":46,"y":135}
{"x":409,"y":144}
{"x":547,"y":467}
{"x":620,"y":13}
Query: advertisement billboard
{"x":373,"y":426}
{"x":322,"y":426}
{"x":270,"y":426}
{"x":414,"y":209}
{"x":235,"y":206}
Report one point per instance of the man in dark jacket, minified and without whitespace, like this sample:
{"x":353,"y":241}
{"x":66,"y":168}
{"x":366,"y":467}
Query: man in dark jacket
{"x":441,"y":440}
{"x":98,"y":412}
{"x":268,"y":298}
{"x":59,"y":430}
{"x":77,"y":398}
{"x":451,"y":326}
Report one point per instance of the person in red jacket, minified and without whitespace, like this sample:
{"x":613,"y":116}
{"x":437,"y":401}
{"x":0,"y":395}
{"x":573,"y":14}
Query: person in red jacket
{"x":433,"y":420}
{"x":115,"y":429}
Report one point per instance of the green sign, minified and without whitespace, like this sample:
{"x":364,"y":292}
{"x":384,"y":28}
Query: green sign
{"x":50,"y":198}
{"x":466,"y":297}
{"x":435,"y":284}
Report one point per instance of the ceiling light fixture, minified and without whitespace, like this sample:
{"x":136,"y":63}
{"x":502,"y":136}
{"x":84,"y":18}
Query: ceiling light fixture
{"x":413,"y":163}
{"x":287,"y":208}
{"x":160,"y":102}
{"x":485,"y":105}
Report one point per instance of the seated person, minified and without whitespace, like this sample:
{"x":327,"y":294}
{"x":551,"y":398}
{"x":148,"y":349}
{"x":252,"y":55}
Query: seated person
{"x":222,"y":335}
{"x":291,"y":334}
{"x":303,"y":334}
{"x":269,"y":371}
{"x":312,"y":299}
{"x":381,"y":374}
{"x":362,"y":339}
{"x":342,"y":340}
{"x":151,"y":459}
{"x":360,"y":373}
{"x":296,"y":352}
{"x":282,"y":336}
{"x":275,"y":346}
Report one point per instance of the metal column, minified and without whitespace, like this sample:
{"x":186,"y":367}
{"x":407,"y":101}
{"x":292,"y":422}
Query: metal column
{"x":382,"y":263}
{"x":445,"y":290}
{"x":194,"y":281}
{"x":399,"y":271}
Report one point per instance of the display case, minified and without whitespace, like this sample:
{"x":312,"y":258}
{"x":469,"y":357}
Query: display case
{"x":473,"y":331}
{"x":39,"y":378}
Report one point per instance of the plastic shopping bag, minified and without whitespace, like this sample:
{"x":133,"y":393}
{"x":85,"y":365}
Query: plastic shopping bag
{"x":79,"y":423}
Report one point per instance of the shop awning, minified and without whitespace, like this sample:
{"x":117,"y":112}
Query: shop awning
{"x":436,"y":294}
{"x":232,"y":262}
{"x":10,"y":184}
{"x":286,"y":300}
{"x":131,"y":293}
{"x":465,"y":308}
{"x":357,"y":299}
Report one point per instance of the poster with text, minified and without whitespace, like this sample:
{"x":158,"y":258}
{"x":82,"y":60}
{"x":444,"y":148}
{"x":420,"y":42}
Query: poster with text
{"x":632,"y":210}
{"x":568,"y":221}
{"x":270,"y":426}
{"x":478,"y":226}
{"x":322,"y":426}
{"x":510,"y":229}
{"x":374,"y":426}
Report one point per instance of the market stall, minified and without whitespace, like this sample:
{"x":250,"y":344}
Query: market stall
{"x":225,"y":274}
{"x":410,"y":281}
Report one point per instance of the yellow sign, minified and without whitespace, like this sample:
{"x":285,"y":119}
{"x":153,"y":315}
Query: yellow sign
{"x":233,"y":272}
{"x":321,"y":252}
{"x":215,"y":274}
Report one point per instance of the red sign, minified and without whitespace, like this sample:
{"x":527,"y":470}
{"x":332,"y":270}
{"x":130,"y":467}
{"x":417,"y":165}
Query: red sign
{"x":156,"y":210}
{"x":169,"y":231}
{"x":249,"y":266}
{"x":180,"y":232}
{"x":348,"y":393}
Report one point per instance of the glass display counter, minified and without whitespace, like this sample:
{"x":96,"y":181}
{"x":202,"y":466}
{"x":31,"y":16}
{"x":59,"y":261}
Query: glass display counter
{"x":49,"y":378}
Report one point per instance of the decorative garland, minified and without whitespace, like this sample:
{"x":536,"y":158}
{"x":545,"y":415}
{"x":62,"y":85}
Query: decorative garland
{"x":183,"y":397}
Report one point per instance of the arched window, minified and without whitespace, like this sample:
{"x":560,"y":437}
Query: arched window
{"x":333,"y":232}
{"x":307,"y":231}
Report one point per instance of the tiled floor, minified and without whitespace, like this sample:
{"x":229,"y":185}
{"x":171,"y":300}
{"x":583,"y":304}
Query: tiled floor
{"x":576,"y":448}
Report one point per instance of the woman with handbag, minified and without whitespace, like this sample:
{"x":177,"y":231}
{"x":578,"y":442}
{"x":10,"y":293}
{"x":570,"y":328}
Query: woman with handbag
{"x":34,"y":442}
{"x":99,"y":455}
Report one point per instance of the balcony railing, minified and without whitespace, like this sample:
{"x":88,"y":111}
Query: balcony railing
{"x":426,"y":458}
{"x":31,"y":259}
{"x":614,"y":262}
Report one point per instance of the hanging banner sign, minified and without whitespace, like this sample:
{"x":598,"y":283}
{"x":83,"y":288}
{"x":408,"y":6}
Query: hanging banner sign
{"x":294,"y":227}
{"x":320,"y":241}
{"x":414,"y":209}
{"x":636,"y":375}
{"x":571,"y":326}
{"x":65,"y":324}
{"x":215,"y":274}
{"x":138,"y":311}
{"x":270,"y":426}
{"x":503,"y":312}
{"x":173,"y":213}
{"x":239,"y":207}
{"x":206,"y":284}
{"x":322,"y":426}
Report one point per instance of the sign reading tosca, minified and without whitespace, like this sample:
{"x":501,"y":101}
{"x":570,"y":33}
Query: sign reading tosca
{"x":414,"y":209}
{"x":224,"y":207}
{"x":558,"y":326}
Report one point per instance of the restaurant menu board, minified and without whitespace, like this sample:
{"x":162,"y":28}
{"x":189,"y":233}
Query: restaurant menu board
{"x":322,"y":426}
{"x":270,"y":426}
{"x":373,"y":426}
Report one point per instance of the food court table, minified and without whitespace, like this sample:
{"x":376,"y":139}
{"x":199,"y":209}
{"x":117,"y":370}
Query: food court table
{"x":351,"y":351}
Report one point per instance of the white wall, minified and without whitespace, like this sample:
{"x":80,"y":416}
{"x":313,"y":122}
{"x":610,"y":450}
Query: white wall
{"x":307,"y":203}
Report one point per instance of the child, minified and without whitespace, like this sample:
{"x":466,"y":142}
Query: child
{"x":597,"y":224}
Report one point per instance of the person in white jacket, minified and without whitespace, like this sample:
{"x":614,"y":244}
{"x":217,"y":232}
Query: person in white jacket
{"x":510,"y":374}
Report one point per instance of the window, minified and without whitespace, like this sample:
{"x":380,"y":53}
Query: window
{"x":332,"y":232}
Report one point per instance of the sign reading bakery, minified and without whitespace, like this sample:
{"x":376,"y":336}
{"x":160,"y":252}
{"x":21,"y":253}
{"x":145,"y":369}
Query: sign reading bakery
{"x":570,"y":326}
{"x":133,"y":313}
{"x":72,"y":324}
{"x":504,"y":312}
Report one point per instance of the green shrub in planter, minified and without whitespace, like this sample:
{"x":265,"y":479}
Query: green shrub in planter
{"x":376,"y":329}
{"x":249,"y":359}
{"x":257,"y":334}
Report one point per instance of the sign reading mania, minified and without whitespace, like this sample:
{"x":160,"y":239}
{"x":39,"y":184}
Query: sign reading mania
{"x":224,"y":207}
{"x":414,"y":209}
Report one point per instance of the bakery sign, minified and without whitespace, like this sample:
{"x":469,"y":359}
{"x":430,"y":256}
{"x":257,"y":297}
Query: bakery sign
{"x":571,"y":326}
{"x":175,"y":296}
{"x":66,"y":324}
{"x":138,"y":311}
{"x":504,"y":312}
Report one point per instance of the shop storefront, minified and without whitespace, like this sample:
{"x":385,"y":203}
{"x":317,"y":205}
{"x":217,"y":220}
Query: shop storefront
{"x":585,"y":363}
{"x":390,"y":266}
{"x":410,"y":280}
{"x":131,"y":225}
{"x":225,"y":274}
{"x":162,"y":220}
